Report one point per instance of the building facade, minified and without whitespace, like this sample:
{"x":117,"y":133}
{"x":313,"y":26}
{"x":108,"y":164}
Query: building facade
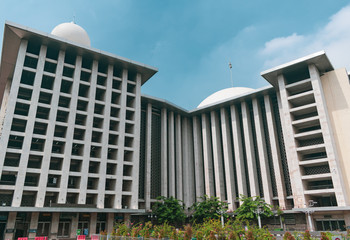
{"x":81,"y":148}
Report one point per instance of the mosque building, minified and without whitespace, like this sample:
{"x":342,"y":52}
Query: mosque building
{"x":82,"y":148}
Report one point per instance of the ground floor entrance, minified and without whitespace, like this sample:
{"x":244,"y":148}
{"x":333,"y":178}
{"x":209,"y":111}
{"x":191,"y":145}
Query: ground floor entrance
{"x":57,"y":225}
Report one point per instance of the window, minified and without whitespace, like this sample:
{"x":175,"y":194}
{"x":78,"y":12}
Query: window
{"x":63,"y":229}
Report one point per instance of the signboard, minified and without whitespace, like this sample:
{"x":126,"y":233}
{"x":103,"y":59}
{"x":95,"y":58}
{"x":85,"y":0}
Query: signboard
{"x":86,"y":231}
{"x":32,"y":230}
{"x":10,"y":230}
{"x":78,"y":232}
{"x":337,"y":237}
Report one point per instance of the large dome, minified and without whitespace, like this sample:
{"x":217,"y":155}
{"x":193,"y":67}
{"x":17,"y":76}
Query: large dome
{"x":72,"y":32}
{"x":224,"y":94}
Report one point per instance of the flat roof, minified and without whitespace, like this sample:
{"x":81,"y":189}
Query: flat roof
{"x":13,"y":33}
{"x":320,"y":60}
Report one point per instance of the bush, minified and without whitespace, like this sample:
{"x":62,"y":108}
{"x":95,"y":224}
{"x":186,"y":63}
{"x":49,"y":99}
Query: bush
{"x":307,"y":235}
{"x":288,"y":236}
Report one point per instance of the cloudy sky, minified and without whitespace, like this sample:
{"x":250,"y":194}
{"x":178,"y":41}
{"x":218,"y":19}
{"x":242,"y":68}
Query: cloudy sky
{"x":192,"y":42}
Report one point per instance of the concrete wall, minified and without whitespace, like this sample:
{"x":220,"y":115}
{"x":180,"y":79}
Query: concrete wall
{"x":337,"y":94}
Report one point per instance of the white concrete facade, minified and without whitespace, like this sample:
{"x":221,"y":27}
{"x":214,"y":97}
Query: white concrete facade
{"x":77,"y":133}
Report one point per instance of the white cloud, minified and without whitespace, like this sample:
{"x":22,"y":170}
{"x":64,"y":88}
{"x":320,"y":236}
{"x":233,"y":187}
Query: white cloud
{"x":334,"y":38}
{"x":277,"y":44}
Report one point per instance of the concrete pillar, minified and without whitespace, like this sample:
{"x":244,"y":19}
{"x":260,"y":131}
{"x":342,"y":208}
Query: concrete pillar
{"x":198,"y":157}
{"x":178,"y":155}
{"x":93,"y":221}
{"x":217,"y":156}
{"x":27,"y":141}
{"x":207,"y":157}
{"x":171,"y":145}
{"x":275,"y":153}
{"x":110,"y":222}
{"x":228,"y":160}
{"x":148,"y":156}
{"x":238,"y":151}
{"x":7,"y":122}
{"x":290,"y":145}
{"x":104,"y":141}
{"x":11,"y":222}
{"x":33,"y":223}
{"x":249,"y":149}
{"x":50,"y":132}
{"x":136,"y":156}
{"x":88,"y":135}
{"x":70,"y":132}
{"x":127,"y":218}
{"x":164,"y":152}
{"x":188,"y":163}
{"x":262,"y":151}
{"x":327,"y":132}
{"x":347,"y":218}
{"x":121,"y":141}
{"x":74,"y":226}
{"x":55,"y":220}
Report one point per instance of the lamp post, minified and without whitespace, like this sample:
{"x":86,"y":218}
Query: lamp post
{"x":151,"y":215}
{"x":259,"y":211}
{"x":222,"y":211}
{"x":308,"y":212}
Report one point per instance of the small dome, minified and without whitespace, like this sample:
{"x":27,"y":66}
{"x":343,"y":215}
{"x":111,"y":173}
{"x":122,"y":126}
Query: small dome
{"x":72,"y":32}
{"x":224,"y":94}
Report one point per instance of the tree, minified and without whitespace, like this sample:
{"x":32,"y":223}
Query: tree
{"x":169,"y":210}
{"x":208,"y":207}
{"x":250,"y":207}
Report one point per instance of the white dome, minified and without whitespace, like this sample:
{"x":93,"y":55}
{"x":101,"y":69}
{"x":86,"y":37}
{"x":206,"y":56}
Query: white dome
{"x":72,"y":32}
{"x":224,"y":94}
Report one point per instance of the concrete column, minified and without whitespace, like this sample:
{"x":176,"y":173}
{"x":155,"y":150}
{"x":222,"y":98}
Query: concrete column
{"x":188,"y":163}
{"x":110,"y":222}
{"x":50,"y":132}
{"x":55,"y":220}
{"x":217,"y":156}
{"x":88,"y":134}
{"x":275,"y":153}
{"x":70,"y":132}
{"x":290,"y":145}
{"x":93,"y":221}
{"x":127,"y":218}
{"x":136,"y":156}
{"x":262,"y":151}
{"x":11,"y":222}
{"x":27,"y":141}
{"x":228,"y":160}
{"x":164,"y":152}
{"x":198,"y":157}
{"x":148,"y":156}
{"x":207,"y":157}
{"x":249,"y":149}
{"x":104,"y":141}
{"x":178,"y":155}
{"x":11,"y":104}
{"x":33,"y":223}
{"x":327,"y":132}
{"x":171,"y":144}
{"x":347,"y":218}
{"x":121,"y":141}
{"x":74,"y":226}
{"x":238,"y":151}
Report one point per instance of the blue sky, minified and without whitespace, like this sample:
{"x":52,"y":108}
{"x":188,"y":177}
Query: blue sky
{"x":191,"y":42}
